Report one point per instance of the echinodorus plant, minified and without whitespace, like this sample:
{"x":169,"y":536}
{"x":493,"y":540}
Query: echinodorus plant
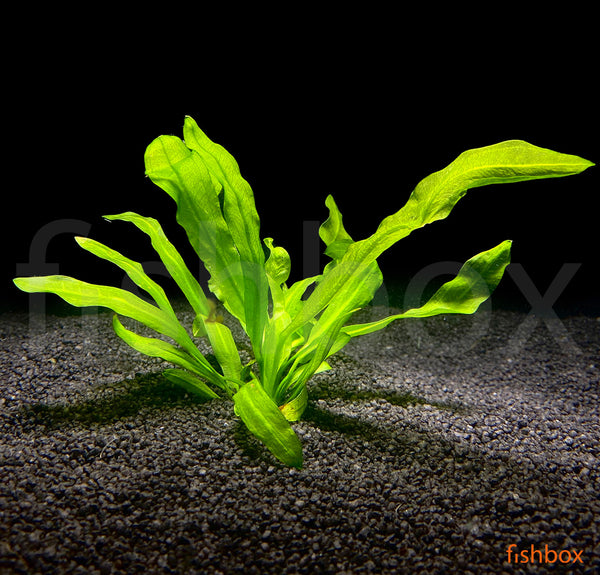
{"x":292,"y":336}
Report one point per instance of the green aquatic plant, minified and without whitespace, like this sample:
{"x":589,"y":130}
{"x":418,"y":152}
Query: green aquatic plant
{"x":292,"y":334}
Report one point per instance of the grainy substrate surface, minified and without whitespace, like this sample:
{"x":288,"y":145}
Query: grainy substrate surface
{"x":429,"y":448}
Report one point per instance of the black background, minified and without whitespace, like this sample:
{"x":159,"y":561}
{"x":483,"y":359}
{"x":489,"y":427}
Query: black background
{"x":362,"y":120}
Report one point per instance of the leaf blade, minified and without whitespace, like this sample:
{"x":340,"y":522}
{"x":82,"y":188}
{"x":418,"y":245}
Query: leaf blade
{"x":157,"y":348}
{"x":190,"y":383}
{"x":170,"y":257}
{"x":265,"y":421}
{"x":181,"y":173}
{"x":82,"y":294}
{"x":243,"y":223}
{"x":239,"y":208}
{"x":196,"y":174}
{"x":224,"y":348}
{"x":433,"y":199}
{"x":473,"y":284}
{"x":132,"y":268}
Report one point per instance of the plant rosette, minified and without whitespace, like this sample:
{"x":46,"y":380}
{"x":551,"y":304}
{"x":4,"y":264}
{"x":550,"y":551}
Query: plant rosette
{"x":292,"y":336}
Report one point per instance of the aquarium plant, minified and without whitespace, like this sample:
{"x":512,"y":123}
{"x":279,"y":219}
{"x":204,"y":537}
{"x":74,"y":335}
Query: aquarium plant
{"x":293,"y":331}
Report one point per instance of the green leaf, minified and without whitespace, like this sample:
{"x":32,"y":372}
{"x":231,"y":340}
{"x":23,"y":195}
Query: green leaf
{"x":293,"y":295}
{"x":334,"y":236}
{"x":325,"y":331}
{"x":171,"y":259}
{"x":242,"y":220}
{"x":277,"y":268}
{"x":224,"y":348}
{"x":153,"y":347}
{"x":190,"y":383}
{"x":197,"y":176}
{"x":275,"y":350}
{"x":310,"y":357}
{"x":338,"y":241}
{"x":475,"y":282}
{"x":238,"y":202}
{"x":278,"y":264}
{"x":332,"y":229}
{"x":82,"y":294}
{"x":133,"y":269}
{"x":219,"y":335}
{"x":182,"y":174}
{"x":265,"y":420}
{"x":317,"y":338}
{"x":433,"y":199}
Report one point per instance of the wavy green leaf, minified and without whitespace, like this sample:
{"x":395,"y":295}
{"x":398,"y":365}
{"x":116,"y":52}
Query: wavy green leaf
{"x":277,"y":266}
{"x":196,"y":174}
{"x":182,"y":174}
{"x":433,"y":199}
{"x":239,"y":208}
{"x":332,"y":229}
{"x":474,"y":283}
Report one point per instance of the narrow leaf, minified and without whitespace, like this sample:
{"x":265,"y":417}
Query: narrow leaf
{"x":170,"y":257}
{"x":224,"y":348}
{"x":133,"y":269}
{"x":83,"y":294}
{"x":190,"y":383}
{"x":158,"y":348}
{"x":310,"y":357}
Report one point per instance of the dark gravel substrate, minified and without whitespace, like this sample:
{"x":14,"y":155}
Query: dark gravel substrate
{"x":429,"y":448}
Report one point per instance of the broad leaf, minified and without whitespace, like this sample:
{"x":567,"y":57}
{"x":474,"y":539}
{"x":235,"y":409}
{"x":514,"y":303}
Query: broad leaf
{"x":243,"y":224}
{"x":197,"y":174}
{"x":182,"y":174}
{"x":238,"y":203}
{"x":265,"y":420}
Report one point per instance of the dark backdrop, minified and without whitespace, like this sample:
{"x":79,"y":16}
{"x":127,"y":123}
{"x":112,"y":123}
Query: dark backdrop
{"x":363,"y":128}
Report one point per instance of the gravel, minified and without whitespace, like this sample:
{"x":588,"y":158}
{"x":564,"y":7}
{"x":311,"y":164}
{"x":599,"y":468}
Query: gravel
{"x":430,"y":447}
